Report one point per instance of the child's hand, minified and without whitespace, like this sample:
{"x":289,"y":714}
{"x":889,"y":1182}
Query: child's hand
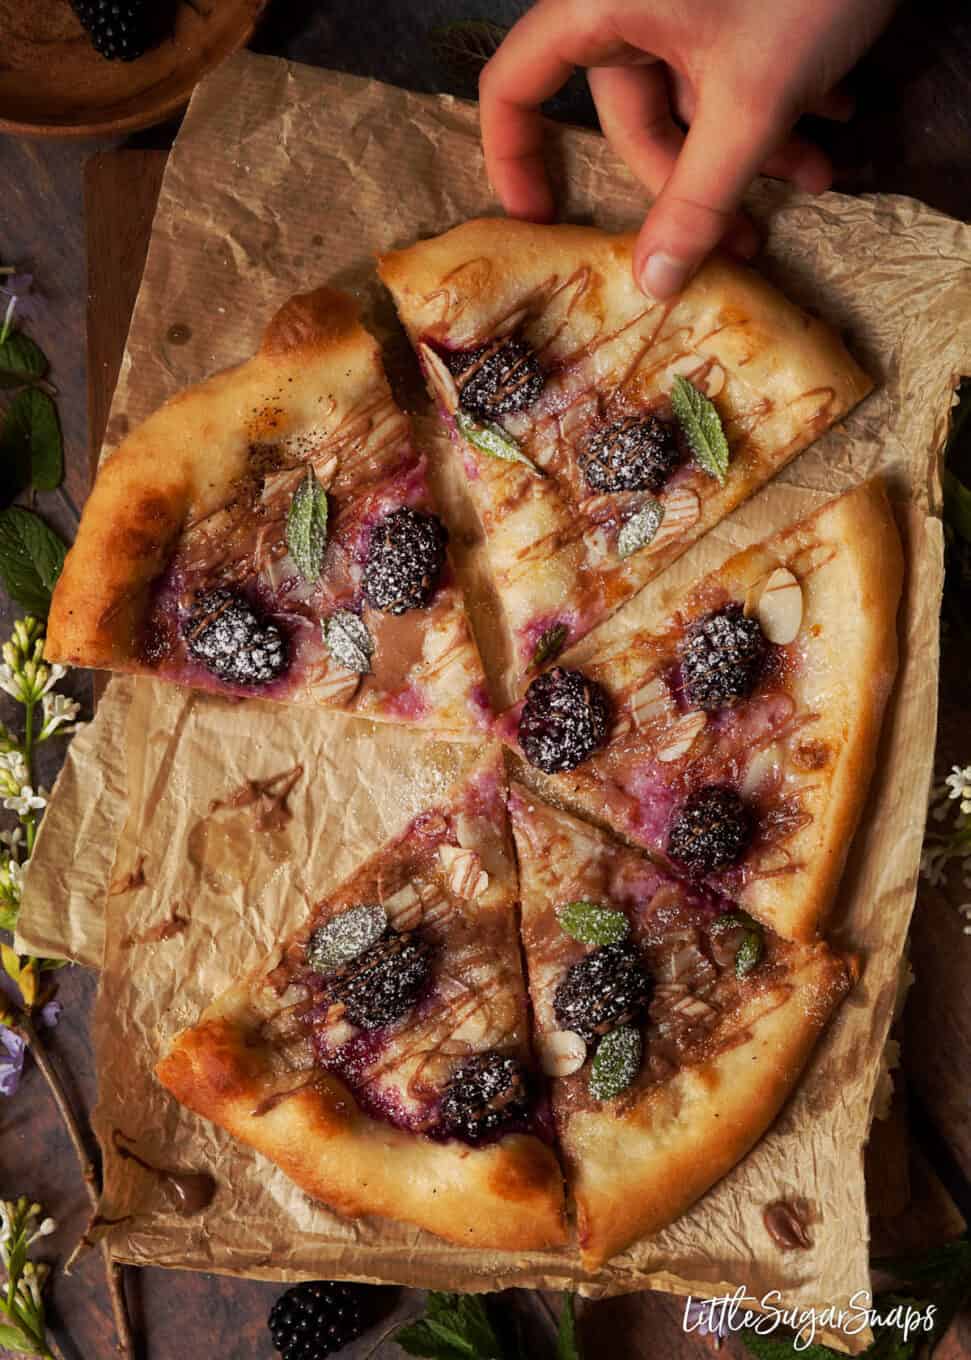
{"x":740,"y":72}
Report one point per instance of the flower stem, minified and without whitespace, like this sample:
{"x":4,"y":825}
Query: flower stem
{"x":25,"y":1028}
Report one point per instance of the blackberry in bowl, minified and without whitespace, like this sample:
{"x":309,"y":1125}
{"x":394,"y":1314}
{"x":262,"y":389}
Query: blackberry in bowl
{"x":565,"y":719}
{"x":636,"y":453}
{"x":711,"y":831}
{"x":485,"y":1094}
{"x":226,"y":634}
{"x":404,"y":560}
{"x":722,"y":658}
{"x":496,"y":379}
{"x":606,"y":988}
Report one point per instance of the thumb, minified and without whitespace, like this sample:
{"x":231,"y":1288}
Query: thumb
{"x":720,"y":157}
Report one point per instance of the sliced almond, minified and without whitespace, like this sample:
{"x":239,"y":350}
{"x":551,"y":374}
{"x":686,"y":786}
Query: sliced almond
{"x":651,"y":701}
{"x":760,"y":768}
{"x":682,"y":510}
{"x":325,"y":468}
{"x":440,"y":378}
{"x":561,"y":1052}
{"x":597,"y":545}
{"x":682,"y":737}
{"x":466,"y":876}
{"x":403,"y":908}
{"x":511,"y":323}
{"x":779,"y":608}
{"x":335,"y":686}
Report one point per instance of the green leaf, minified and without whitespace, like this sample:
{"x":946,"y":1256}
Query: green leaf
{"x":702,"y":427}
{"x":31,"y":438}
{"x":592,"y":924}
{"x":455,"y":1327}
{"x":567,"y":1344}
{"x":957,"y":505}
{"x":493,"y":440}
{"x":748,"y":955}
{"x":348,"y":641}
{"x":31,"y":558}
{"x":775,"y":1347}
{"x":550,"y":645}
{"x":617,"y":1062}
{"x":946,"y":1271}
{"x":21,"y":361}
{"x":640,"y":529}
{"x":13,"y":1339}
{"x":307,"y":527}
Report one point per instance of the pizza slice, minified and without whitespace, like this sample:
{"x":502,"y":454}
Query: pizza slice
{"x":270,"y":533}
{"x":672,"y":1029}
{"x":591,"y":421}
{"x":381,"y":1057}
{"x":735,"y":738}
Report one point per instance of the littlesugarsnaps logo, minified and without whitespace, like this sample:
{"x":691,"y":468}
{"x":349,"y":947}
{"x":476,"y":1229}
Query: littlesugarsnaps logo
{"x":740,"y":1311}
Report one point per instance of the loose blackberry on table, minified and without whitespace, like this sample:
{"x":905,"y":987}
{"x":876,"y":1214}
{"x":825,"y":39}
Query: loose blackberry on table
{"x":319,"y":1318}
{"x":486,"y":1093}
{"x":711,"y":831}
{"x":404,"y":560}
{"x":123,"y":30}
{"x":606,"y":988}
{"x":382,"y":984}
{"x":496,"y":379}
{"x":722,"y":658}
{"x":564,"y":719}
{"x":636,"y":453}
{"x":227,"y":635}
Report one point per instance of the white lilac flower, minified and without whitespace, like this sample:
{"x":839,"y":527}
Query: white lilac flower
{"x":10,"y":681}
{"x":13,"y":840}
{"x":58,"y":710}
{"x":959,"y":786}
{"x":26,"y":801}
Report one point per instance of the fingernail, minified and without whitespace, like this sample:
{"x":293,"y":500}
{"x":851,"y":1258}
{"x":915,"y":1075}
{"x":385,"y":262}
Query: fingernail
{"x":662,"y":276}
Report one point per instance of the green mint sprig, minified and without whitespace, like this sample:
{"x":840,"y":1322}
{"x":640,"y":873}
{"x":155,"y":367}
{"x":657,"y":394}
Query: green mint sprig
{"x":307,"y":527}
{"x":31,"y":558}
{"x":591,"y":923}
{"x":702,"y":426}
{"x":493,"y":440}
{"x":458,"y":1327}
{"x":549,"y":645}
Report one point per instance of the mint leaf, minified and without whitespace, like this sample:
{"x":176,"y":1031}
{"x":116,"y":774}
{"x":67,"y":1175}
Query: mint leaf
{"x":13,"y":1339}
{"x":702,"y":428}
{"x":348,"y":641}
{"x":31,"y":557}
{"x":307,"y":527}
{"x":617,"y":1062}
{"x":550,"y":645}
{"x":493,"y":440}
{"x":455,"y":1327}
{"x":640,"y":529}
{"x":31,"y":439}
{"x":567,"y":1344}
{"x":774,"y":1347}
{"x":749,"y":953}
{"x":590,"y":923}
{"x":21,"y":361}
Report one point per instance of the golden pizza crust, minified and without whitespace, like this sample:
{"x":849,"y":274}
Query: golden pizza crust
{"x":249,"y":1066}
{"x":782,"y":378}
{"x":315,"y":390}
{"x":848,"y":562}
{"x":637,"y":1162}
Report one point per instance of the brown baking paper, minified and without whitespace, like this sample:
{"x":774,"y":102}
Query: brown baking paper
{"x":283,"y":177}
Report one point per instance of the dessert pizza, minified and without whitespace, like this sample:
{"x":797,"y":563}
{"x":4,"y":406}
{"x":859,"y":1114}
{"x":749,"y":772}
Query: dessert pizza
{"x":382,"y":1056}
{"x":735,"y":738}
{"x":602,"y":432}
{"x":672,"y":1031}
{"x":270,"y":532}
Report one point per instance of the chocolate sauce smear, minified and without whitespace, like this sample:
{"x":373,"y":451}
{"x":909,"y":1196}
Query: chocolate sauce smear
{"x":192,"y":1191}
{"x":786,"y":1222}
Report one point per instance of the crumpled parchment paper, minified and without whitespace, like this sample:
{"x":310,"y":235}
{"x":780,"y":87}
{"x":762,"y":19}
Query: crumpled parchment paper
{"x":283,"y":177}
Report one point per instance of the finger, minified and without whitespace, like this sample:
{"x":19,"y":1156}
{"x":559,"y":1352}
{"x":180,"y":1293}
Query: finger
{"x":633,"y":105}
{"x":722,"y":152}
{"x":802,"y":164}
{"x":535,"y":59}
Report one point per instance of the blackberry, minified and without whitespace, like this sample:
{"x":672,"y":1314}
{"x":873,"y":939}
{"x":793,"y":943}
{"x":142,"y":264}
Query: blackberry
{"x":228,"y":637}
{"x":122,"y":30}
{"x":638,"y":453}
{"x":405,"y":559}
{"x":606,"y":988}
{"x":496,"y":379}
{"x":722,"y":658}
{"x":317,"y":1319}
{"x":711,"y":831}
{"x":564,"y":720}
{"x":382,"y":984}
{"x":486,"y":1093}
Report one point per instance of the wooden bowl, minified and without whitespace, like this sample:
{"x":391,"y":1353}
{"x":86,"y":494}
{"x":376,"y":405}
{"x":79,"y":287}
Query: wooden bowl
{"x":54,"y":84}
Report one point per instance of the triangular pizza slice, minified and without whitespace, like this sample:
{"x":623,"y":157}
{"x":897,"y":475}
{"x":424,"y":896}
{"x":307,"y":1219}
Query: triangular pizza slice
{"x":672,"y":1031}
{"x":381,"y":1056}
{"x":270,"y":533}
{"x":557,"y":377}
{"x":735,"y":738}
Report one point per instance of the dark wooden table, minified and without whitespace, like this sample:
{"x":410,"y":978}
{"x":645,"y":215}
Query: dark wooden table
{"x":912,"y":134}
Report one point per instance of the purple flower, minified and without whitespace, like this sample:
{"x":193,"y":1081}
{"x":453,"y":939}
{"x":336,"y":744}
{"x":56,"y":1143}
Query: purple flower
{"x":51,"y":1013}
{"x":12,"y":1049}
{"x":699,"y":1317}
